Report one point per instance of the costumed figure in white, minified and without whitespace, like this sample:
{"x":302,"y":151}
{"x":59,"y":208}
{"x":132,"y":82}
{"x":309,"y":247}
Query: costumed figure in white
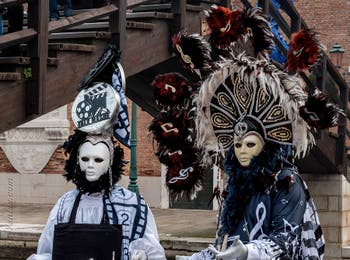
{"x":99,"y":219}
{"x":258,"y":117}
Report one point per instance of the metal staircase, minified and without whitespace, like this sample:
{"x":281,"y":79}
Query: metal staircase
{"x":56,"y":55}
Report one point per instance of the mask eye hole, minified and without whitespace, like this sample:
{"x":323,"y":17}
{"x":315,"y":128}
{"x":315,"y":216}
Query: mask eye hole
{"x":250,"y":145}
{"x":98,"y":160}
{"x":238,"y":145}
{"x":85,"y":159}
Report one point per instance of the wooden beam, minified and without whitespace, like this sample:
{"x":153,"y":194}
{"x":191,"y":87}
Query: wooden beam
{"x":117,"y":22}
{"x":292,"y":12}
{"x":77,"y":35}
{"x":94,"y":14}
{"x":280,"y":21}
{"x":143,"y":15}
{"x":5,"y":3}
{"x":152,"y":7}
{"x":15,"y":60}
{"x":139,"y":25}
{"x":323,"y":71}
{"x":342,"y":127}
{"x":178,"y":9}
{"x":38,"y":53}
{"x":72,"y":47}
{"x":132,"y":3}
{"x":10,"y":76}
{"x":295,"y":24}
{"x":14,"y":38}
{"x":265,"y":5}
{"x":226,"y":3}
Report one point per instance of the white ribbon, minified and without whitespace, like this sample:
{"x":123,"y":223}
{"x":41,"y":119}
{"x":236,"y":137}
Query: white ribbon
{"x":259,"y":224}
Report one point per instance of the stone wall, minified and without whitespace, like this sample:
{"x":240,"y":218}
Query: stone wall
{"x":331,"y":194}
{"x":17,"y":188}
{"x":47,"y":185}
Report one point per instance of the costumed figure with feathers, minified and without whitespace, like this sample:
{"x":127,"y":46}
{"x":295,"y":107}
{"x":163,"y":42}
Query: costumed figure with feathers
{"x":99,"y":219}
{"x":255,"y":118}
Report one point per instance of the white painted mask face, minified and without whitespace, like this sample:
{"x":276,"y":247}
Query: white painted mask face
{"x":94,"y":160}
{"x":247,"y":147}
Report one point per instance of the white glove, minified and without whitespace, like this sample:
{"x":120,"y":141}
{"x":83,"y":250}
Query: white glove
{"x":138,"y":255}
{"x":236,"y":251}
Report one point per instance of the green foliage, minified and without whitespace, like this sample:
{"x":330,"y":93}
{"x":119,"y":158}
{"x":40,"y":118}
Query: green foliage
{"x":27,"y":72}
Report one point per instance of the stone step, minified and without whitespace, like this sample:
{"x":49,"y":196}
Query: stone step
{"x":14,"y":246}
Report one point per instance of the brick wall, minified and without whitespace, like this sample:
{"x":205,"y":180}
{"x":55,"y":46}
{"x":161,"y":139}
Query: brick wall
{"x":148,"y":164}
{"x":331,"y":19}
{"x":55,"y":164}
{"x":5,"y":165}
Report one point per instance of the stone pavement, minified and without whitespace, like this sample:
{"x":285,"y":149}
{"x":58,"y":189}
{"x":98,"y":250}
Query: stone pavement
{"x":181,"y":231}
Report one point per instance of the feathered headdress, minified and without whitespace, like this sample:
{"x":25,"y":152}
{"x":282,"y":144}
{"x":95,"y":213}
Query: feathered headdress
{"x":248,"y":30}
{"x":304,"y":50}
{"x":194,"y":53}
{"x":254,"y":89}
{"x":173,"y":129}
{"x":171,"y":89}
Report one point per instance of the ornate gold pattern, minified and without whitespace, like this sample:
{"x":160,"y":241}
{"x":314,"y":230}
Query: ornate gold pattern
{"x":235,"y":98}
{"x":226,"y":102}
{"x":226,"y":140}
{"x":262,"y":100}
{"x":282,"y":134}
{"x":276,"y":114}
{"x":242,"y":92}
{"x":220,"y":120}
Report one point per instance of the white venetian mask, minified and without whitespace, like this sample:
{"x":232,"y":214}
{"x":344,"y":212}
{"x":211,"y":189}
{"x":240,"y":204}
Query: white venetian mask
{"x":94,"y":160}
{"x":247,"y":147}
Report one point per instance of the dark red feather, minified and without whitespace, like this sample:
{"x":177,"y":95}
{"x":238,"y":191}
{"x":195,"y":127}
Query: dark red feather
{"x":170,"y":128}
{"x":304,"y":50}
{"x":171,"y":89}
{"x":226,"y":26}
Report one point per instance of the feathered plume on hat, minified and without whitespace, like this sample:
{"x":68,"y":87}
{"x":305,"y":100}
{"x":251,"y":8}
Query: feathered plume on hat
{"x":171,"y":89}
{"x":225,"y":26}
{"x":305,"y":50}
{"x":242,"y":30}
{"x":194,"y":53}
{"x":173,"y":129}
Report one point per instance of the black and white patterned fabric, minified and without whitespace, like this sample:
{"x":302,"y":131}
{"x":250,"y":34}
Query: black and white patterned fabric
{"x":122,"y":125}
{"x":312,"y":239}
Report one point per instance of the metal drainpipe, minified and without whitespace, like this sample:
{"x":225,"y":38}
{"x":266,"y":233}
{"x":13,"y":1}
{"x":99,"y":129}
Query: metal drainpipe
{"x":133,"y":162}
